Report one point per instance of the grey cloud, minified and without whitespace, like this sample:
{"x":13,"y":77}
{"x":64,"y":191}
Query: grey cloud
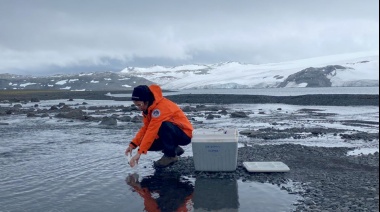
{"x":38,"y":34}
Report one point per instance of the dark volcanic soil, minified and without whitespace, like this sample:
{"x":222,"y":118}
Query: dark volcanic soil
{"x":332,"y":100}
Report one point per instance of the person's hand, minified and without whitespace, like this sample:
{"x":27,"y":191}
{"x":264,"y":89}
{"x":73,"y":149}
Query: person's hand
{"x":129,"y":151}
{"x":134,"y":160}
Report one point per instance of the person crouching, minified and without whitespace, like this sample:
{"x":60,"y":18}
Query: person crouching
{"x":165,"y":128}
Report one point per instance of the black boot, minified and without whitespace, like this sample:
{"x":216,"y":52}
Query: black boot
{"x":179,"y":151}
{"x":165,"y":161}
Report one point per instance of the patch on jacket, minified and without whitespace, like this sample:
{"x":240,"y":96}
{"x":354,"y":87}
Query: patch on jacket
{"x":156,"y":113}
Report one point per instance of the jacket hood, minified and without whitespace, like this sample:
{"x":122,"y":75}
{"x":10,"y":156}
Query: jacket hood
{"x":157,"y":93}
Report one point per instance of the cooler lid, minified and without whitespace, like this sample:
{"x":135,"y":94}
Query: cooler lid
{"x":272,"y":166}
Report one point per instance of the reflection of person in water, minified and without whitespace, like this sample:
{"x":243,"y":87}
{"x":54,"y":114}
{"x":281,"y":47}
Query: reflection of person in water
{"x":163,"y":191}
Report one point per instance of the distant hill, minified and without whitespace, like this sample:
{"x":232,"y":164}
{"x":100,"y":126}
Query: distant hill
{"x":75,"y":82}
{"x":346,"y":70}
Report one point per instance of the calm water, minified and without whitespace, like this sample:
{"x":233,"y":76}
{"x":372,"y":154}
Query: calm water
{"x":57,"y":165}
{"x":287,"y":91}
{"x":276,"y":91}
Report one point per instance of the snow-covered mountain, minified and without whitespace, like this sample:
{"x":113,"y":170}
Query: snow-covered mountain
{"x":346,"y":70}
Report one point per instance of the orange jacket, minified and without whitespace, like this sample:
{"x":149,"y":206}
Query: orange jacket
{"x":160,"y":111}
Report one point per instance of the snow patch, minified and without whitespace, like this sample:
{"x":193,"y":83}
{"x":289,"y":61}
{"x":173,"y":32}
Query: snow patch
{"x":62,"y":82}
{"x":26,"y":84}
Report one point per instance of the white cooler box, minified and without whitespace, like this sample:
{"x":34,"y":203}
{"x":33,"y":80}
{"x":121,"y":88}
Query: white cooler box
{"x":215,"y":150}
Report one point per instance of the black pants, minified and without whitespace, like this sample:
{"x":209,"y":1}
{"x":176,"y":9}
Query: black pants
{"x":170,"y":136}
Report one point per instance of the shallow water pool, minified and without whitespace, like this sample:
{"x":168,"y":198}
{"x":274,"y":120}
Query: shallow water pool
{"x":58,"y":165}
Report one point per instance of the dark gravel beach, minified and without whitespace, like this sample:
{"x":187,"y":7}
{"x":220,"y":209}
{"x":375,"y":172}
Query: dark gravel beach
{"x":327,"y":178}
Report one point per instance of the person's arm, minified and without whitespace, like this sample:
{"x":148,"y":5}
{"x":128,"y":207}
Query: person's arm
{"x":147,"y":141}
{"x":158,"y":116}
{"x":136,"y":141}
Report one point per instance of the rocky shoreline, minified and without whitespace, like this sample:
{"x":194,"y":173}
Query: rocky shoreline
{"x":327,"y":178}
{"x":320,"y":99}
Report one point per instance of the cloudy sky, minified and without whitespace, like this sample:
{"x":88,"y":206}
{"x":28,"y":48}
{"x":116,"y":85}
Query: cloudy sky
{"x":70,"y":36}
